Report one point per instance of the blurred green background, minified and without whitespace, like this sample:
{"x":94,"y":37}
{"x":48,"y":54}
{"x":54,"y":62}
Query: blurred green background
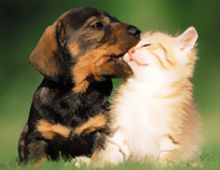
{"x":22,"y":23}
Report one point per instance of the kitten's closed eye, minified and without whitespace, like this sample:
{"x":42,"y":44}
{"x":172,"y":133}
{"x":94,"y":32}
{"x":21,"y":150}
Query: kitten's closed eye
{"x":146,"y":45}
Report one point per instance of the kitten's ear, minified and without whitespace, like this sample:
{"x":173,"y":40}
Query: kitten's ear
{"x":187,"y":40}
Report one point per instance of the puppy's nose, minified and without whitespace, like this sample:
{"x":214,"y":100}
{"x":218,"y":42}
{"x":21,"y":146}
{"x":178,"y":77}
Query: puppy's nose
{"x":132,"y":30}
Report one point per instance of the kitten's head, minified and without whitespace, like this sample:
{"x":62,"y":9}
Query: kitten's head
{"x":158,"y":53}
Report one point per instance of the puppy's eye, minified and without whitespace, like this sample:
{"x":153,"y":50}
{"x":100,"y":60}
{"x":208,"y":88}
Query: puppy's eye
{"x":97,"y":25}
{"x":146,"y":45}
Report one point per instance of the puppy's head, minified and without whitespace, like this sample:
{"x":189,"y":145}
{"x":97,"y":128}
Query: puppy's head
{"x":84,"y":45}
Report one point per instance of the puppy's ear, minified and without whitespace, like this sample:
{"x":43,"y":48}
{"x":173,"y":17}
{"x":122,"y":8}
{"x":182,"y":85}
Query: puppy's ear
{"x":47,"y":55}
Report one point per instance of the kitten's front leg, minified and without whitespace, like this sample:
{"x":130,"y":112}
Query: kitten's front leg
{"x":168,"y":150}
{"x":114,"y":153}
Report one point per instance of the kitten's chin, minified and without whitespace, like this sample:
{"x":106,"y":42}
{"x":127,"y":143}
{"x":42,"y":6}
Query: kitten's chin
{"x":128,"y":60}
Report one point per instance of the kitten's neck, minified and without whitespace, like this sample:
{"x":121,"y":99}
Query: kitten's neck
{"x":163,"y":85}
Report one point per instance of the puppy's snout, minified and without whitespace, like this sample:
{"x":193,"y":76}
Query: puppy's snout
{"x":132,"y":30}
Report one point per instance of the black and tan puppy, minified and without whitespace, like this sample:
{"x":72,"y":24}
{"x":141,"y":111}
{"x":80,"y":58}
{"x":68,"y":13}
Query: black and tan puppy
{"x":77,"y":55}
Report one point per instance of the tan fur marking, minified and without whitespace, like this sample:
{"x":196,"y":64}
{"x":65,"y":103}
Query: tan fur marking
{"x":96,"y":63}
{"x":173,"y":140}
{"x":178,"y":87}
{"x":159,"y":60}
{"x":74,"y":48}
{"x":49,"y":130}
{"x":168,"y":57}
{"x":95,"y":155}
{"x":86,"y":66}
{"x":174,"y":94}
{"x":81,"y":87}
{"x":170,"y":60}
{"x":92,"y":124}
{"x":80,"y":72}
{"x":192,"y":55}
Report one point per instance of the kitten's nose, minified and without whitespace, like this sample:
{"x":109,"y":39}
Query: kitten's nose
{"x":131,"y":51}
{"x":132,"y":30}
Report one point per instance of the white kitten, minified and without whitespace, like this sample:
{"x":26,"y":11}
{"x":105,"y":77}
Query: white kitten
{"x":153,"y":113}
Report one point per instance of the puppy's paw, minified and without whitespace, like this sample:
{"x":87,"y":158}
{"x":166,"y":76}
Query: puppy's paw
{"x":82,"y":161}
{"x":79,"y":161}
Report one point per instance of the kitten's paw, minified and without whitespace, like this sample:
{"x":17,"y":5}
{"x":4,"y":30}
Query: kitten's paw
{"x":168,"y":153}
{"x":123,"y":149}
{"x":111,"y":156}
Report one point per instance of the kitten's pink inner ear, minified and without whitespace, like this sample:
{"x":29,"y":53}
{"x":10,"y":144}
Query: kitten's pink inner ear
{"x":187,"y":39}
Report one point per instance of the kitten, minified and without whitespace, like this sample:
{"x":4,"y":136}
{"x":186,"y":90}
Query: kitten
{"x":154,"y":115}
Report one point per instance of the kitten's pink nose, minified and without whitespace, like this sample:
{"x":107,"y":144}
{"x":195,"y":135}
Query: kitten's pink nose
{"x":131,"y":51}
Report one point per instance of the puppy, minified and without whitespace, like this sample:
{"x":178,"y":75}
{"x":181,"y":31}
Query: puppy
{"x":77,"y":55}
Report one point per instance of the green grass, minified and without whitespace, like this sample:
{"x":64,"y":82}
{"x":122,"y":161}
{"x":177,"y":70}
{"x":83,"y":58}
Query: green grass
{"x":208,"y":161}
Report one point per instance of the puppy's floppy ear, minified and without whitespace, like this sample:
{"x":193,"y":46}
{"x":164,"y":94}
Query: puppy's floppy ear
{"x":47,"y":55}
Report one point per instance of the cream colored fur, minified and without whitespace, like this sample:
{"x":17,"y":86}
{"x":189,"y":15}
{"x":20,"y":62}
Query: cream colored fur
{"x":153,"y":112}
